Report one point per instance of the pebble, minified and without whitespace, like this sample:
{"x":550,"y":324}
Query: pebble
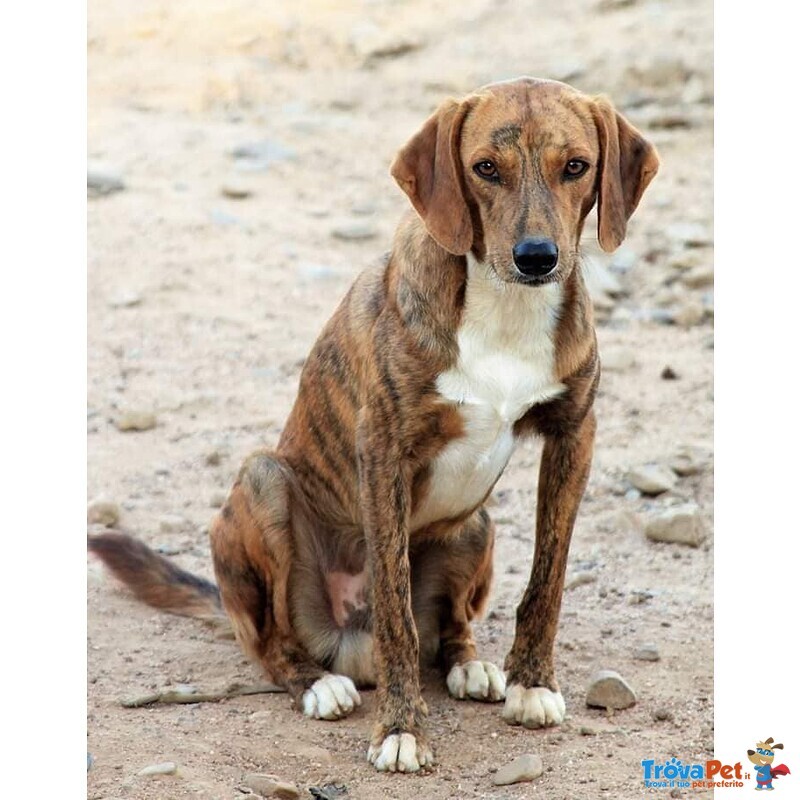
{"x":354,"y":231}
{"x":330,"y":791}
{"x":609,"y":689}
{"x":689,"y":460}
{"x":663,"y":715}
{"x":213,"y":458}
{"x":102,"y":180}
{"x":135,"y":420}
{"x":270,"y":786}
{"x":579,"y":579}
{"x":172,"y":523}
{"x":236,"y":190}
{"x":102,"y":511}
{"x":652,"y":479}
{"x":617,"y":359}
{"x":678,"y":525}
{"x":698,"y":277}
{"x":647,"y":652}
{"x":167,"y":768}
{"x":523,"y":768}
{"x":669,"y":374}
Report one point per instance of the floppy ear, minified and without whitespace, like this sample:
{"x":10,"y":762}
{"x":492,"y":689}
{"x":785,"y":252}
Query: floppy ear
{"x":628,"y":162}
{"x":428,"y":170}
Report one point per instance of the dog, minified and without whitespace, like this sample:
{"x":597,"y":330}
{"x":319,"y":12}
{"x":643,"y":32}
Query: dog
{"x":361,"y":545}
{"x":762,"y":758}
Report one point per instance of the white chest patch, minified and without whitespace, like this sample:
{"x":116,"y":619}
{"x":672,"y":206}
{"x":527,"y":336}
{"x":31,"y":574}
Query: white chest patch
{"x":506,"y":364}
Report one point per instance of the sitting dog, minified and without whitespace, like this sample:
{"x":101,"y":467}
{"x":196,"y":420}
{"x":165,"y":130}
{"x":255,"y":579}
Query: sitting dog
{"x":361,"y":544}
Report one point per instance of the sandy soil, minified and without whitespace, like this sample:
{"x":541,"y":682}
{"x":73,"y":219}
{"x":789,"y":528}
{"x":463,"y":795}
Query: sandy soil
{"x":202,"y":308}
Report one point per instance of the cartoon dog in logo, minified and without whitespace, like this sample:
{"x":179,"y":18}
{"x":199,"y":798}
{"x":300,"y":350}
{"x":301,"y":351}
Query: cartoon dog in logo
{"x":762,"y":757}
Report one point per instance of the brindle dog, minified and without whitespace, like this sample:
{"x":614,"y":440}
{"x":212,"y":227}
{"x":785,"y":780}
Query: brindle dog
{"x":361,"y":543}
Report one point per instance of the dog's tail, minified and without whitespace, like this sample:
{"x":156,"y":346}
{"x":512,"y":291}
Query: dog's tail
{"x":154,"y":580}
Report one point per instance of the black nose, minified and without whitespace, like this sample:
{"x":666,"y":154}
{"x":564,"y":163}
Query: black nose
{"x":535,"y":256}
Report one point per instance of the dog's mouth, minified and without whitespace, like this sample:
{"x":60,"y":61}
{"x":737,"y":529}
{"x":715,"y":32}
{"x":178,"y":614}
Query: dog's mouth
{"x":535,"y":280}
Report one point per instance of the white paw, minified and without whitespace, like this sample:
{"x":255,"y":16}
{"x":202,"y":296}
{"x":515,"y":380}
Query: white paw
{"x":480,"y":680}
{"x":331,"y":697}
{"x":400,"y":752}
{"x":534,"y":708}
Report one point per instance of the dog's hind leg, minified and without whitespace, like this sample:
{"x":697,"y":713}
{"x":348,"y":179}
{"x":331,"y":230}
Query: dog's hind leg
{"x":252,"y":548}
{"x":462,"y":567}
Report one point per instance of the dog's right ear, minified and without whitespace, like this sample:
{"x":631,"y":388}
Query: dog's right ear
{"x":428,"y":170}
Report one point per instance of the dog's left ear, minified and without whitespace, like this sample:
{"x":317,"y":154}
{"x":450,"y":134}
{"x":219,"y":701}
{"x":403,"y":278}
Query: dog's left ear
{"x":428,"y":170}
{"x":628,"y":162}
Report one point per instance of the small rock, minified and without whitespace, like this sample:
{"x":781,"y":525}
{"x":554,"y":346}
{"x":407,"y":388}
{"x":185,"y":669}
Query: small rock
{"x":588,"y":730}
{"x":647,"y":652}
{"x":135,"y":420}
{"x":217,"y":499}
{"x":663,"y":715}
{"x":689,"y":460}
{"x":270,"y":786}
{"x":102,"y":511}
{"x":609,"y":689}
{"x":579,"y":579}
{"x":330,"y":791}
{"x":236,"y":190}
{"x":690,"y":234}
{"x":617,"y":359}
{"x":167,"y":768}
{"x":652,"y":479}
{"x":127,"y":298}
{"x":523,"y":768}
{"x":89,"y":761}
{"x":213,"y":458}
{"x":102,"y":180}
{"x":354,"y":232}
{"x":638,"y":597}
{"x":690,"y":313}
{"x":632,"y":494}
{"x":172,"y":523}
{"x":698,"y":277}
{"x":678,"y":525}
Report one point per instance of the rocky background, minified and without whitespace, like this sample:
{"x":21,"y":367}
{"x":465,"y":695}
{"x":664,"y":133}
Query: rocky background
{"x":238,"y":181}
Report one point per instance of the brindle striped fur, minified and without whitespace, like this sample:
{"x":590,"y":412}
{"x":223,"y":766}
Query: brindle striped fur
{"x":354,"y":461}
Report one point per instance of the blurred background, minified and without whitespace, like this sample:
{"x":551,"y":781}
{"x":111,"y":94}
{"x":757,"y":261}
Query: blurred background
{"x":238,"y":181}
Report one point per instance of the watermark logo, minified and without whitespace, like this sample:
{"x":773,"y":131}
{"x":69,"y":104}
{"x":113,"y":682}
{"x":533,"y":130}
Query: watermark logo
{"x":762,"y":758}
{"x":675,"y":774}
{"x":714,"y":774}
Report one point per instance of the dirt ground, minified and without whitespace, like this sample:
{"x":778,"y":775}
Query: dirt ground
{"x":202,"y":307}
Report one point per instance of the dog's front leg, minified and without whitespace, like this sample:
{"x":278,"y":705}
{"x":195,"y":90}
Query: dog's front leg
{"x":398,"y":741}
{"x":533,"y":698}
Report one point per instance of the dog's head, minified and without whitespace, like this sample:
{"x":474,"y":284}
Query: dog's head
{"x":511,"y":172}
{"x":764,"y":752}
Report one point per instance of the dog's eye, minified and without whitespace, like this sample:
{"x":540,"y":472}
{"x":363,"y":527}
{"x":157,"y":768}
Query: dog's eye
{"x":575,"y":167}
{"x":487,"y":170}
